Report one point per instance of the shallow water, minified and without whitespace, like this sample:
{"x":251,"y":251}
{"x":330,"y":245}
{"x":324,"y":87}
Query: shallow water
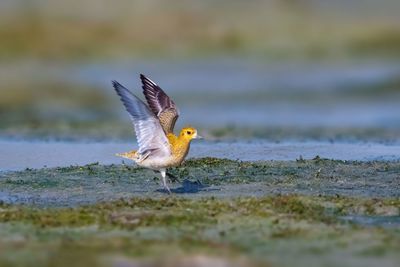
{"x":19,"y":155}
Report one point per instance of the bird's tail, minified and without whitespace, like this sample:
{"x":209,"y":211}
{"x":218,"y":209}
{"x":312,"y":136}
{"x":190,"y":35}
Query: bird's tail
{"x":133,"y":155}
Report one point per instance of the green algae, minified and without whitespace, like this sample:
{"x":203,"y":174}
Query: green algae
{"x":162,"y":212}
{"x":169,"y":211}
{"x":80,"y":185}
{"x":261,"y":230}
{"x":293,"y":213}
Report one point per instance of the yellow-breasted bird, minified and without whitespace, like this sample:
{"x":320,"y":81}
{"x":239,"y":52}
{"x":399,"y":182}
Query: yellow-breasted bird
{"x":159,"y":147}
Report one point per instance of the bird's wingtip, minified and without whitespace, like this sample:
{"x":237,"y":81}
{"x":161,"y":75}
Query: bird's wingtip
{"x":146,"y":81}
{"x":114,"y":83}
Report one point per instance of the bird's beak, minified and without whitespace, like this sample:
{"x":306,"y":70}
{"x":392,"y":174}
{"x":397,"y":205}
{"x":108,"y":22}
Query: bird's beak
{"x":199,"y":137}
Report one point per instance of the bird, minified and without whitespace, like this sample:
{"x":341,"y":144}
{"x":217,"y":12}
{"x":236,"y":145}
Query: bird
{"x":159,"y":148}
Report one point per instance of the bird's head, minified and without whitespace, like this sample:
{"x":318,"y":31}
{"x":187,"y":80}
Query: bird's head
{"x":189,"y":133}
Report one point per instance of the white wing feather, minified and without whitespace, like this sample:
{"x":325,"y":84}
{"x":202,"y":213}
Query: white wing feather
{"x":149,"y":133}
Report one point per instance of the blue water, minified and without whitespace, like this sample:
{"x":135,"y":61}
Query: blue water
{"x":19,"y":155}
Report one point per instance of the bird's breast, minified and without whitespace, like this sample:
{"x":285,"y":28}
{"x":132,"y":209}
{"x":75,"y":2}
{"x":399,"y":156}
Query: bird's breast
{"x":179,"y":152}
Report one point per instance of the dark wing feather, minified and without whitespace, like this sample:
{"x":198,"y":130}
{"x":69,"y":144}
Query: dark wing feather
{"x":160,"y":103}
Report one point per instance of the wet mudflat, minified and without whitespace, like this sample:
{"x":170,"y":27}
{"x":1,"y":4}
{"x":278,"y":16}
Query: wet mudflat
{"x":264,"y":213}
{"x":197,"y":178}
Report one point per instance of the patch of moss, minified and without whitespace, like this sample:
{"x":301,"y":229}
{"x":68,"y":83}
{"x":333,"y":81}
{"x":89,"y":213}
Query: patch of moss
{"x":175,"y":211}
{"x":258,"y":229}
{"x":208,"y":162}
{"x":66,"y":186}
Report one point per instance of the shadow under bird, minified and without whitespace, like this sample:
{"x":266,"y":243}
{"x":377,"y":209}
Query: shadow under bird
{"x":159,"y":147}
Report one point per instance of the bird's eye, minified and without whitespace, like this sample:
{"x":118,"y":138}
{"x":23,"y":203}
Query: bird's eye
{"x":189,"y":132}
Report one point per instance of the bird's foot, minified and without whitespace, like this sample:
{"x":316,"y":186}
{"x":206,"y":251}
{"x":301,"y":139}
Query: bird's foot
{"x":167,"y":188}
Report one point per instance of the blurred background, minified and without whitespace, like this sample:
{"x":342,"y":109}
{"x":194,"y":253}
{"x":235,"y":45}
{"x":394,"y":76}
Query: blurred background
{"x":279,"y":70}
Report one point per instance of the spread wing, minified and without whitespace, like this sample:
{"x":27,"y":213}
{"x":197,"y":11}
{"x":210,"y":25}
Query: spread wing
{"x":150,"y":135}
{"x":160,"y":103}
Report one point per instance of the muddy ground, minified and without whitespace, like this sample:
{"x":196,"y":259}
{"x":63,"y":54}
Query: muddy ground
{"x":197,"y":178}
{"x":315,"y":212}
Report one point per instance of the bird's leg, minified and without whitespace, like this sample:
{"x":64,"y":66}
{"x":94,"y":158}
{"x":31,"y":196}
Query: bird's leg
{"x":164,"y":180}
{"x":172,"y":177}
